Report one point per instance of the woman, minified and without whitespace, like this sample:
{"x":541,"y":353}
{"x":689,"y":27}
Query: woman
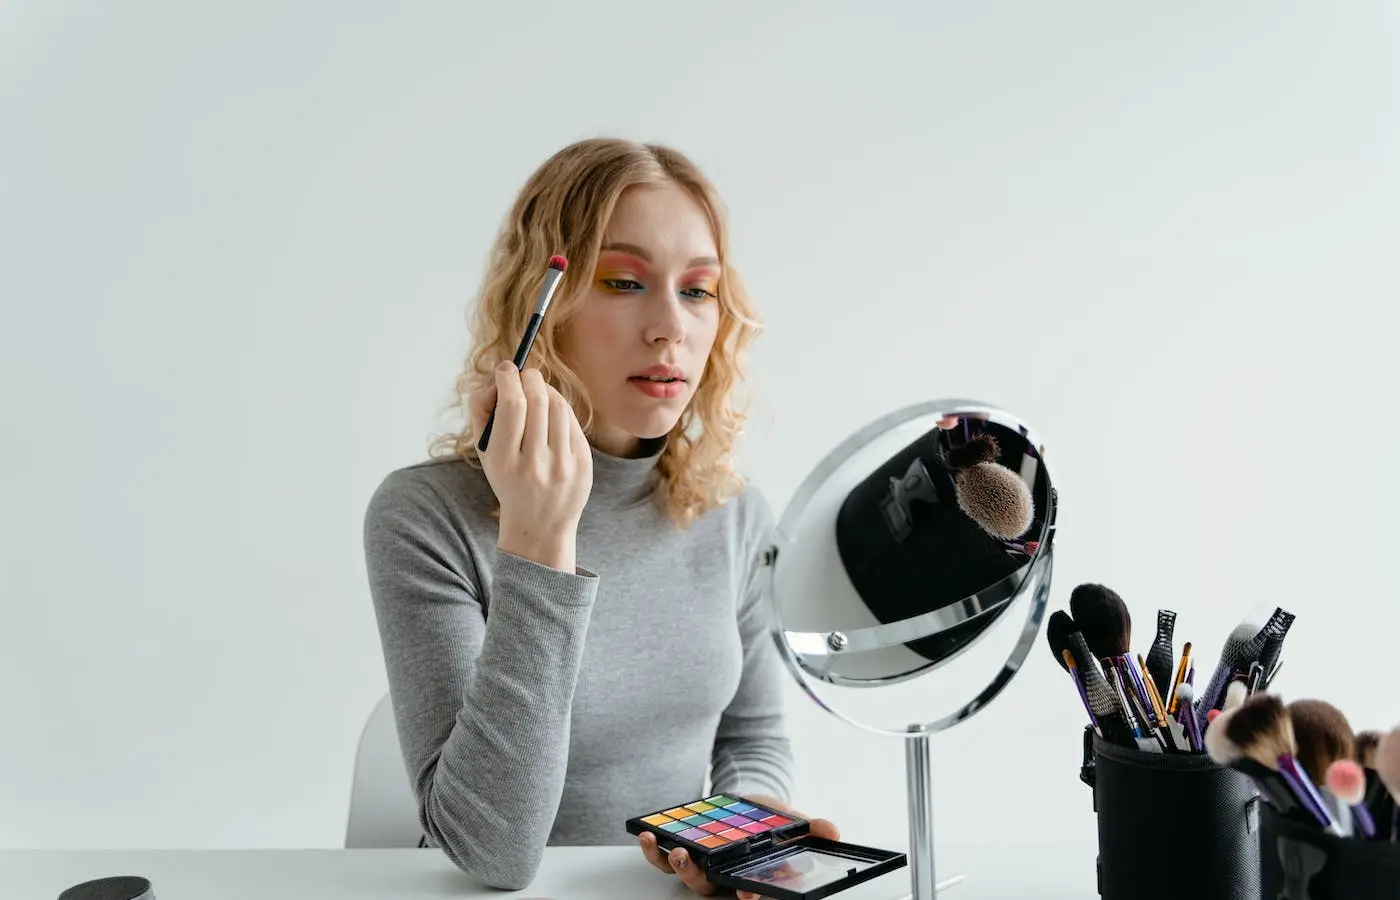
{"x":572,"y":622}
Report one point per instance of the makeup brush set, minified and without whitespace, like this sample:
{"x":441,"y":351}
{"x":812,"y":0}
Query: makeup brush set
{"x":1282,"y":800}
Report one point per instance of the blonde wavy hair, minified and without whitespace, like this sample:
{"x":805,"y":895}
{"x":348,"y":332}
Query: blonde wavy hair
{"x":564,"y":207}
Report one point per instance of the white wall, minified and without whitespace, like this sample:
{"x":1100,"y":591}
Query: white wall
{"x":239,"y":240}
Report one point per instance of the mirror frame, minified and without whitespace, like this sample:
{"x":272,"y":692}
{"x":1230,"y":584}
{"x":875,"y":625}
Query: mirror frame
{"x":1034,"y":578}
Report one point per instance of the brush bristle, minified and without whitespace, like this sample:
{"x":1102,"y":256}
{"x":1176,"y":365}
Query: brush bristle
{"x":1260,"y":728}
{"x":1366,"y":743}
{"x":1235,"y":695}
{"x":1103,"y":618}
{"x":1218,"y":744}
{"x":558,"y":262}
{"x":1323,"y":735}
{"x":1058,"y":628}
{"x":1347,"y":781}
{"x":981,"y":449}
{"x":1388,"y":761}
{"x":997,"y":499}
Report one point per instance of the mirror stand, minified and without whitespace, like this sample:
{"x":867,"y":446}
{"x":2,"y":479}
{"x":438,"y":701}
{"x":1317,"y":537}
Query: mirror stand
{"x":918,"y":765}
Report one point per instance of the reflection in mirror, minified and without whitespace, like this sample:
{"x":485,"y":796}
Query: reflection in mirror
{"x":896,"y":556}
{"x":905,"y":559}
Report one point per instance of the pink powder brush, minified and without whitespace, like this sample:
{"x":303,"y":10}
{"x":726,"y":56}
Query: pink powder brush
{"x":1346,"y":781}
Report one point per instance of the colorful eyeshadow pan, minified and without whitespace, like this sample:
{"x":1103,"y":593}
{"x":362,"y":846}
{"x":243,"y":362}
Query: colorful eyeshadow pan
{"x":716,"y":821}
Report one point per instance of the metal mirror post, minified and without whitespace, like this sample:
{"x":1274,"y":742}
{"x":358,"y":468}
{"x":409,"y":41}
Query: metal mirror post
{"x":898,"y":554}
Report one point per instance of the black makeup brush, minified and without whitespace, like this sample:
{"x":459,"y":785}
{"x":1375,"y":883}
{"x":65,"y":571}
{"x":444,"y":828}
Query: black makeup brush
{"x":1107,"y":626}
{"x":1272,"y":652}
{"x":1377,"y":800}
{"x":1103,"y":619}
{"x":1113,"y":725}
{"x":1323,"y":736}
{"x":1241,"y":648}
{"x":1263,"y":731}
{"x":1058,"y":628}
{"x":1161,"y":656}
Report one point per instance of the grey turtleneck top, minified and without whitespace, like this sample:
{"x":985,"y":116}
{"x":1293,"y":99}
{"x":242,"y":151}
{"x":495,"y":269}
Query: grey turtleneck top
{"x":538,"y":706}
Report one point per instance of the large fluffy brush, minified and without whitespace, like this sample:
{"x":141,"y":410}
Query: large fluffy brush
{"x":1226,"y":753}
{"x":1103,"y":619}
{"x":1263,"y":731}
{"x":1323,"y":736}
{"x":992,"y":495}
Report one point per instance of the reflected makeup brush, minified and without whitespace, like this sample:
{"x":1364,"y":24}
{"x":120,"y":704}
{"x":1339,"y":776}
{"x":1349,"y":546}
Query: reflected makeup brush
{"x":1159,"y":657}
{"x":1262,"y":729}
{"x":1346,"y":781}
{"x":552,"y":276}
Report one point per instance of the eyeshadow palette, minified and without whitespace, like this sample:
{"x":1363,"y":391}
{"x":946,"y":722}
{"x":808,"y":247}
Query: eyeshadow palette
{"x":747,"y":846}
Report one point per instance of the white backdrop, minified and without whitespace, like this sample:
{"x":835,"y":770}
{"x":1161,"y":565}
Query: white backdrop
{"x":239,"y":240}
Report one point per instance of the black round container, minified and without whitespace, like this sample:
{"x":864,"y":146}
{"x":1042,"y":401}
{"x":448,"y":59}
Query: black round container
{"x":117,"y":887}
{"x":1300,"y":861}
{"x":1171,"y":825}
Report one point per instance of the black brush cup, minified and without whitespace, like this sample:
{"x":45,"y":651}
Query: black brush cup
{"x":1300,"y":861}
{"x":1154,"y":807}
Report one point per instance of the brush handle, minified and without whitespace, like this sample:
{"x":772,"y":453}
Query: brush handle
{"x":522,"y":353}
{"x":1161,"y":654}
{"x":1306,"y":792}
{"x":1361,"y":816}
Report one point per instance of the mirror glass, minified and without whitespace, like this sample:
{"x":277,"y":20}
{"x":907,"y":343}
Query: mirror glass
{"x":908,"y":547}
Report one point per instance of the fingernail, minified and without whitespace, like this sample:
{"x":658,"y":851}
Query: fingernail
{"x":505,"y":366}
{"x":679,"y":860}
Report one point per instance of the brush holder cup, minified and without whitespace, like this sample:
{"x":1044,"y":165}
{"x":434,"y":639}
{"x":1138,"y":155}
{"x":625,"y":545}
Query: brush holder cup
{"x":1154,"y":807}
{"x":1299,"y":861}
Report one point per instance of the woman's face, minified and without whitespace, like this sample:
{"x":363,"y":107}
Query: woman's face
{"x":642,"y":335}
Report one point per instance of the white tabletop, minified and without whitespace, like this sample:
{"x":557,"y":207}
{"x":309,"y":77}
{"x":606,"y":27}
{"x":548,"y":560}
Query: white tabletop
{"x":568,"y":873}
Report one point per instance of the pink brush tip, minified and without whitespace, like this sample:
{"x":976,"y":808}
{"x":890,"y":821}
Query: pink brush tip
{"x":1346,"y":781}
{"x":1212,"y":715}
{"x":558,"y":262}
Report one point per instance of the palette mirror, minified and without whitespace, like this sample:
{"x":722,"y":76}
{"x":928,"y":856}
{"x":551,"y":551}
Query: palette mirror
{"x":916,"y":557}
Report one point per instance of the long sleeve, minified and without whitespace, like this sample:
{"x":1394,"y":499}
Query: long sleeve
{"x":482,"y":701}
{"x":752,"y":752}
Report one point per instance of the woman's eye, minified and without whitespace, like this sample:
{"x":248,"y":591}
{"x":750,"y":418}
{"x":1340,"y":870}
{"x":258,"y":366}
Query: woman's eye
{"x":700,"y":294}
{"x":622,"y":284}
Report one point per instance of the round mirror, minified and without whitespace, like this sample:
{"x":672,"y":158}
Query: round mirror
{"x":902,"y":550}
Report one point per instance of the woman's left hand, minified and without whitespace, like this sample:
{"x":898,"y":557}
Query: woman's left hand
{"x":678,"y":861}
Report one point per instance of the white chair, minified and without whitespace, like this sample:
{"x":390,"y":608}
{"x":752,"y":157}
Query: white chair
{"x":383,"y":809}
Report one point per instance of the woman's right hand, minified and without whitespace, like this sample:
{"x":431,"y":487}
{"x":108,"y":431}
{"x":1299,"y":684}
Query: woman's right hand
{"x":538,"y":462}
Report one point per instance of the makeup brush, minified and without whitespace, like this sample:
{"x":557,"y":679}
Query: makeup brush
{"x":1185,"y":692}
{"x":1072,"y":666}
{"x":1262,"y":729}
{"x":1241,"y":648}
{"x":1107,"y":626}
{"x":1388,"y":767}
{"x":1270,"y":655}
{"x":1058,"y":628}
{"x":1347,"y":781}
{"x":552,"y":276}
{"x":1235,"y":695}
{"x":1161,"y":654}
{"x":1181,"y":670}
{"x":1379,"y":803}
{"x":1226,"y":753}
{"x":1322,"y":734}
{"x":1113,"y":723}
